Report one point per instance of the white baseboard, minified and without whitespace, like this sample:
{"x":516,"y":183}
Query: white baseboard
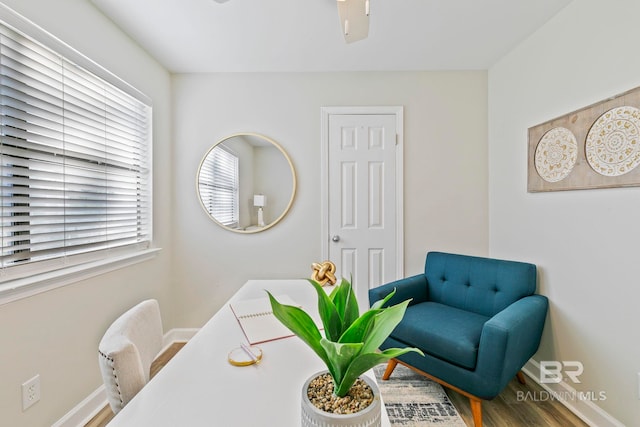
{"x":177,"y":335}
{"x":583,"y":405}
{"x":92,"y":404}
{"x":85,"y":410}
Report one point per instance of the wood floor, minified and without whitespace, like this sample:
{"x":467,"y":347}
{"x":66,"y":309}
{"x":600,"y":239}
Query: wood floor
{"x":506,"y":410}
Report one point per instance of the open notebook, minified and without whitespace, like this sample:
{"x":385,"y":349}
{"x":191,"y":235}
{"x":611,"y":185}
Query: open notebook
{"x":257,"y":320}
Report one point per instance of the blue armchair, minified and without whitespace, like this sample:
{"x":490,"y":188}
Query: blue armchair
{"x":476,"y":319}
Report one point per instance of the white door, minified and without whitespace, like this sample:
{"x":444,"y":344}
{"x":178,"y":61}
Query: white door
{"x":363,"y":204}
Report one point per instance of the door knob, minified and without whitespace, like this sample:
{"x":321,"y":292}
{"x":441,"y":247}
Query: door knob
{"x":335,"y":238}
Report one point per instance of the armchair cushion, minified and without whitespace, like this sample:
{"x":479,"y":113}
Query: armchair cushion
{"x":456,"y":339}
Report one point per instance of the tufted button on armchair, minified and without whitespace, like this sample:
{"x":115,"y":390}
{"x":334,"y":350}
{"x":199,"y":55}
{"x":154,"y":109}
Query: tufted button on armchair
{"x":476,"y":319}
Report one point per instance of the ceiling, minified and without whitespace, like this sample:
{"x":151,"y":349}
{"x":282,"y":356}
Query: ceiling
{"x":304,"y":35}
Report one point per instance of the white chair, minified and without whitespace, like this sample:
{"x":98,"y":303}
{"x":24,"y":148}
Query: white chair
{"x":126,"y":351}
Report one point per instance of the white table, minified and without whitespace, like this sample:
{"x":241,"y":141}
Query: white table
{"x":198,"y":387}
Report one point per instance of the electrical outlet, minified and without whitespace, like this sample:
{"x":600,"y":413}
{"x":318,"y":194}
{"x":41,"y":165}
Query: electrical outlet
{"x":30,"y":392}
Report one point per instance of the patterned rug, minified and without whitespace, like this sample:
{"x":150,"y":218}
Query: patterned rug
{"x":415,"y":401}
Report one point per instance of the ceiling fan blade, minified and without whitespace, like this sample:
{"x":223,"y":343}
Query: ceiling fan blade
{"x":354,"y":19}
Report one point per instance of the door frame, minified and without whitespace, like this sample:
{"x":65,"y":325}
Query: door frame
{"x":326,"y":113}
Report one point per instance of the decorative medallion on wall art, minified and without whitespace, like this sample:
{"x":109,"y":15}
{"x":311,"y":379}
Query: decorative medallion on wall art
{"x":595,"y":147}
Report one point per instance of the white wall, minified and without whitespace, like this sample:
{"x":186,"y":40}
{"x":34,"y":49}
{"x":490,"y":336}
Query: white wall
{"x":55,"y":334}
{"x":585,"y":242}
{"x":445,"y":170}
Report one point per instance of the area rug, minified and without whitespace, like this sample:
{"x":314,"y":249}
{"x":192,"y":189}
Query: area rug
{"x":415,"y":401}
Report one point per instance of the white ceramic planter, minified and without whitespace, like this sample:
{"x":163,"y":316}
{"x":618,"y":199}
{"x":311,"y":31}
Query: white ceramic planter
{"x":314,"y":417}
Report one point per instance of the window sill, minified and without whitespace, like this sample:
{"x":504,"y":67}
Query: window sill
{"x":29,"y":286}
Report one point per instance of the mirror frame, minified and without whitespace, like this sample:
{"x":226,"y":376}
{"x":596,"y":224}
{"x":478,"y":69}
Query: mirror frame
{"x":293,"y":186}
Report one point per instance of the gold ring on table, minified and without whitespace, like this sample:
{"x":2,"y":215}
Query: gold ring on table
{"x":240,"y":350}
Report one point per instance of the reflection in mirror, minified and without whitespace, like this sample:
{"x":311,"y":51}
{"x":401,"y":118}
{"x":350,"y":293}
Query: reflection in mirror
{"x":246,"y":183}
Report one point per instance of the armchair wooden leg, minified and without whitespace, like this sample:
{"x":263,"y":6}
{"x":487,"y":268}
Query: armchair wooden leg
{"x":390,"y":367}
{"x":476,"y":411}
{"x":521,"y":378}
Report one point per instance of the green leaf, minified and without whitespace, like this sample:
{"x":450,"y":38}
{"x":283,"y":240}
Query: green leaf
{"x":363,"y":363}
{"x":301,"y":324}
{"x":359,"y":329}
{"x":331,"y":320}
{"x":351,"y":311}
{"x":384,"y":323}
{"x":378,"y":304}
{"x":340,"y":356}
{"x":346,"y":303}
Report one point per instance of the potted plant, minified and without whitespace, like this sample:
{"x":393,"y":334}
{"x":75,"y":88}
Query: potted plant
{"x":348,"y":348}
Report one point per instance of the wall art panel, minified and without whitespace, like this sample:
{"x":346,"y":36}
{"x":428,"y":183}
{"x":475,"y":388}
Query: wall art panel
{"x":595,"y":147}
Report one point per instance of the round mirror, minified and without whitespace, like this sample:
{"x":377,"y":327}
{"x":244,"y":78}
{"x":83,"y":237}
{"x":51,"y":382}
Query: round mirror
{"x":246,"y":183}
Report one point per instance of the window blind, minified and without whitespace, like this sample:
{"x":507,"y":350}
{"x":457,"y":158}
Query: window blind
{"x":219,"y":184}
{"x":74,"y":159}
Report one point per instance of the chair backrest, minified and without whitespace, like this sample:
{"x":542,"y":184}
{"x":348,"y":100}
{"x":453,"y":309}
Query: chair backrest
{"x":126,"y":351}
{"x":481,"y":285}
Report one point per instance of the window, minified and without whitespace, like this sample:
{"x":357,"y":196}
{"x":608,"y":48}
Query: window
{"x":74,"y":162}
{"x":219,"y":186}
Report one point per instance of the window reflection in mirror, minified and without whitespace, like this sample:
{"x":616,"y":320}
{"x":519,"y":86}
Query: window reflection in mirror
{"x":246,"y":183}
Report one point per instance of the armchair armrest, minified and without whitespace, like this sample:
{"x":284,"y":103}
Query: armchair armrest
{"x":511,"y":337}
{"x":414,"y":287}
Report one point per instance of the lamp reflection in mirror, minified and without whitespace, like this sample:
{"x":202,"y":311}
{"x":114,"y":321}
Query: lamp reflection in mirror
{"x":227,"y":192}
{"x":260,"y":201}
{"x":354,"y":19}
